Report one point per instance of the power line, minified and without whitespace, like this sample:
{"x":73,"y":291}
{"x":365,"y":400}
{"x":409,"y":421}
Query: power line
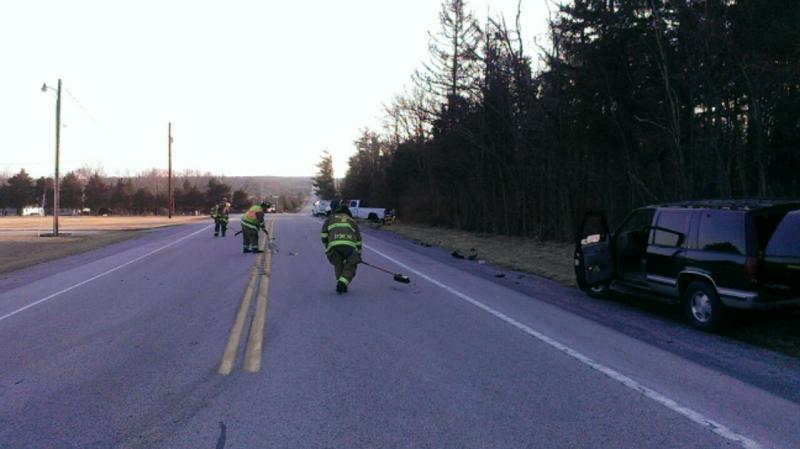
{"x":84,"y":109}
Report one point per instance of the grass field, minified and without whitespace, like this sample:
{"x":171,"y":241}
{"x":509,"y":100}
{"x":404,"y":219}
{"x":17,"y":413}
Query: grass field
{"x":552,"y":260}
{"x":20,"y":246}
{"x":20,"y":251}
{"x":88,"y":223}
{"x":779,"y":331}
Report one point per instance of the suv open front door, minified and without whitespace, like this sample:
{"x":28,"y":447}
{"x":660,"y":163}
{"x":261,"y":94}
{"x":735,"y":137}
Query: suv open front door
{"x":594,"y":266}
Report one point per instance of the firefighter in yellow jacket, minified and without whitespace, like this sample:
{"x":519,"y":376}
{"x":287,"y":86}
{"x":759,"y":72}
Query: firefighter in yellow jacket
{"x":342,"y":241}
{"x":252,"y":222}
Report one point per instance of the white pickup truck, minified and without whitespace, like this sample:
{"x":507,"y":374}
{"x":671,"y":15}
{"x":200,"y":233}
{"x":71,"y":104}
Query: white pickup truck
{"x":366,"y":213}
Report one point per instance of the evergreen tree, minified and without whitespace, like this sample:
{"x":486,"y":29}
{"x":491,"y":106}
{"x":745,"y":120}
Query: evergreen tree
{"x":240,"y":201}
{"x":324,"y":183}
{"x":98,"y":194}
{"x":71,"y":196}
{"x":20,"y":191}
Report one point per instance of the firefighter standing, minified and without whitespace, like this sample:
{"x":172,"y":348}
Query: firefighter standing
{"x":220,"y":213}
{"x":252,"y":221}
{"x":342,"y":241}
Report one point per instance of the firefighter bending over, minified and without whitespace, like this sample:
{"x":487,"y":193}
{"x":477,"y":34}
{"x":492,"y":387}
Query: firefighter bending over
{"x":252,"y":221}
{"x":342,"y":241}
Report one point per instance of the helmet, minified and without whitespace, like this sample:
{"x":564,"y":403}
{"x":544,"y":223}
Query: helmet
{"x":343,"y":209}
{"x":264,"y":205}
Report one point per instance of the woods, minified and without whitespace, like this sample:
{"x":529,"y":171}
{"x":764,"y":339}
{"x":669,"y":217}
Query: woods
{"x":90,"y":191}
{"x":637,"y":102}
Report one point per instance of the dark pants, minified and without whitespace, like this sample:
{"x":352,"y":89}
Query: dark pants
{"x":220,"y":225}
{"x":345,"y":260}
{"x":249,"y":238}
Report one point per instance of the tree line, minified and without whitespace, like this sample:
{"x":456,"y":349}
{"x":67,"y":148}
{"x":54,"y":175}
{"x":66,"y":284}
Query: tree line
{"x":636,"y":102}
{"x":146,"y":194}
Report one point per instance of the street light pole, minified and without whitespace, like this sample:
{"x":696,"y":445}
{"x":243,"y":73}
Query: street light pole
{"x":56,"y":192}
{"x":169,"y":172}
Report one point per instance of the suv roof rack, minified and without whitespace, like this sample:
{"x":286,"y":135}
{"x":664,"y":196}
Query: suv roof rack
{"x":732,"y":204}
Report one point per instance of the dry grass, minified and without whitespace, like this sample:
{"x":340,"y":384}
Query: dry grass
{"x":552,"y":260}
{"x":86,"y":223}
{"x":20,"y":251}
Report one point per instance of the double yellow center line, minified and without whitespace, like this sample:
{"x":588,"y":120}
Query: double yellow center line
{"x":259,"y":275}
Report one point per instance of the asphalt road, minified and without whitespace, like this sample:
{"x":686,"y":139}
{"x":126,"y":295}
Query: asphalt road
{"x":134,"y":346}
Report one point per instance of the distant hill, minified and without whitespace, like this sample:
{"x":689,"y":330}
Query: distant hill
{"x":259,"y":186}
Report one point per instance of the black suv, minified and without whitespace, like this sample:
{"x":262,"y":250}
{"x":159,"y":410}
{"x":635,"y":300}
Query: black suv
{"x":706,"y":255}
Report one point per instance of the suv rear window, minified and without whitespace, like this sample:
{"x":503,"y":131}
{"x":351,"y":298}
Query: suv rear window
{"x":677,"y":221}
{"x":723,"y":231}
{"x":786,"y":239}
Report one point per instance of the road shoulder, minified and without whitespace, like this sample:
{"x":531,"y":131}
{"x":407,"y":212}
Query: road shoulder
{"x":655,"y":324}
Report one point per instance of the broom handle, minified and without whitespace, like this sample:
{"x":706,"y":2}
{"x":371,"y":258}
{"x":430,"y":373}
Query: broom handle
{"x":378,"y":268}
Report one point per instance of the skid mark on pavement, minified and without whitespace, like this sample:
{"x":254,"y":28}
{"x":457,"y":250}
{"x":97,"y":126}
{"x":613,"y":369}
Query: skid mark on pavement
{"x":694,"y":416}
{"x":259,"y":275}
{"x":222,"y":436}
{"x":98,"y":276}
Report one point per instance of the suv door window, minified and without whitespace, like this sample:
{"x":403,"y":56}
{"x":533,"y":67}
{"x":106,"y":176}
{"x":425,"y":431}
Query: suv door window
{"x":637,"y":221}
{"x":785,"y":241}
{"x":723,"y":231}
{"x":631,"y":244}
{"x":677,"y":221}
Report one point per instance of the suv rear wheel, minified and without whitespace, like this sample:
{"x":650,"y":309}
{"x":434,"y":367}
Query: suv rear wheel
{"x":703,"y":307}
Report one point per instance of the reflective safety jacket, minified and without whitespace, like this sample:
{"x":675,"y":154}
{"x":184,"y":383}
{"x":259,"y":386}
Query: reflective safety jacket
{"x":221,"y":211}
{"x":254,"y":218}
{"x":341,"y":230}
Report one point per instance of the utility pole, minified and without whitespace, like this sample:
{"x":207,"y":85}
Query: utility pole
{"x":170,"y":204}
{"x":56,"y":192}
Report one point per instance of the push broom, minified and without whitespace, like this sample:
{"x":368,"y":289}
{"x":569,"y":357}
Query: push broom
{"x":401,"y":278}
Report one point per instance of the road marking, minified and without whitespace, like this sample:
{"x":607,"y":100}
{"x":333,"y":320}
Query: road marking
{"x":259,"y":275}
{"x":229,"y":356}
{"x":98,"y":276}
{"x":687,"y":412}
{"x":252,"y":357}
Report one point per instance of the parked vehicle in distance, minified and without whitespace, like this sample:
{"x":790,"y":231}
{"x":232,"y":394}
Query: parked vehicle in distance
{"x":708,"y":256}
{"x":320,"y":208}
{"x":366,"y":213}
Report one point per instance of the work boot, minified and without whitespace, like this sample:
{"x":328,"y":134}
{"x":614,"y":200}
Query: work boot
{"x":256,"y":250}
{"x":246,"y":250}
{"x":216,"y":234}
{"x":341,"y":287}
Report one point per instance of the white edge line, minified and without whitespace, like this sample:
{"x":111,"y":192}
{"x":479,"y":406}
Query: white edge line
{"x":98,"y":276}
{"x":692,"y":415}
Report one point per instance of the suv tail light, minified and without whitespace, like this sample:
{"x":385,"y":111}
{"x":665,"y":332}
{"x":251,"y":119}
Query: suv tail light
{"x":751,"y":266}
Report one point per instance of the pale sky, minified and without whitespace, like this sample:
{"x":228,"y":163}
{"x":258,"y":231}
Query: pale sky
{"x":252,"y":87}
